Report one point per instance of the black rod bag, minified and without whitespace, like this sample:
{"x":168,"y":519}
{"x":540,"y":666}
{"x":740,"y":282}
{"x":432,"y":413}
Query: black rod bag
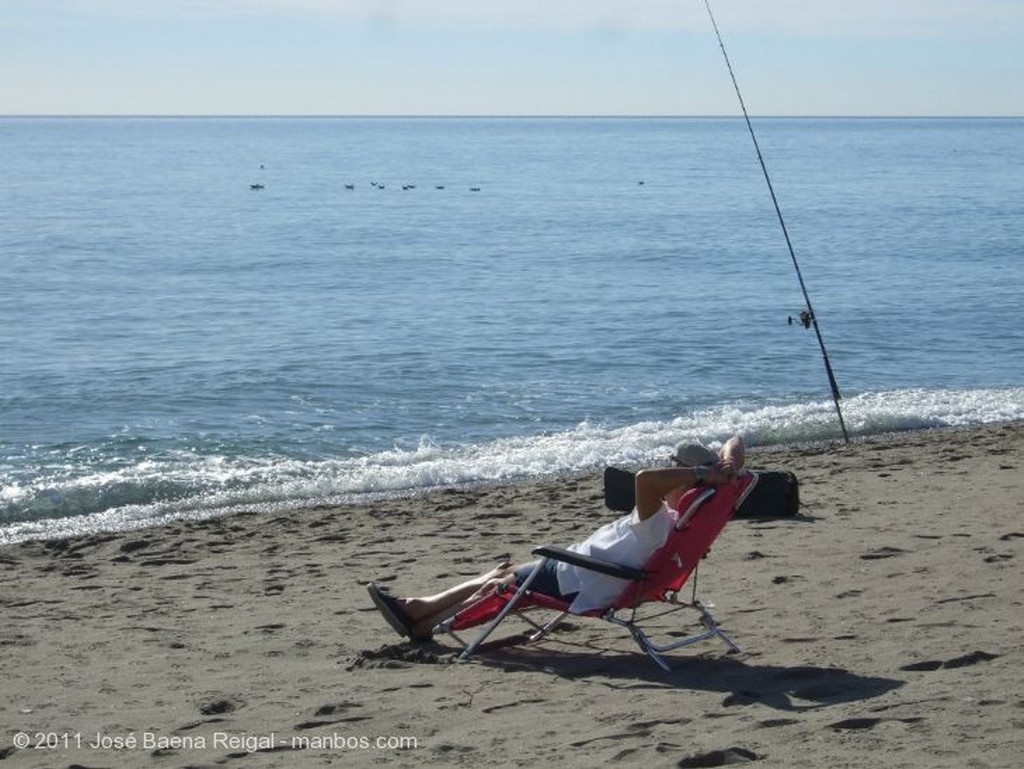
{"x":777,"y":494}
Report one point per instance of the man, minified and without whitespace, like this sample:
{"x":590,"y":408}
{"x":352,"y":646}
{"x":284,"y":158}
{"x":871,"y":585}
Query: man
{"x":629,"y":541}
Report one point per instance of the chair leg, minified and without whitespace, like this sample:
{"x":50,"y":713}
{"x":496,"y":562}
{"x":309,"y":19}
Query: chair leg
{"x":648,"y":648}
{"x":547,"y":627}
{"x":709,"y":622}
{"x":508,"y":607}
{"x":654,"y":651}
{"x":728,"y":641}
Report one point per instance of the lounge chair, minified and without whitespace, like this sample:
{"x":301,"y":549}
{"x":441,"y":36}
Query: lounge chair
{"x":703,"y":513}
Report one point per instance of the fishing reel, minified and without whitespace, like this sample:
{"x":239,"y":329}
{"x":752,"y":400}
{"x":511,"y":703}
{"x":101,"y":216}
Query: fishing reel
{"x":805,"y":319}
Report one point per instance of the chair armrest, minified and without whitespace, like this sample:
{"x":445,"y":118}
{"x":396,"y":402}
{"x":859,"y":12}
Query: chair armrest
{"x":589,"y":563}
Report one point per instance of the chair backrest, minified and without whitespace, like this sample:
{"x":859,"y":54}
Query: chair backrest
{"x":703,"y":513}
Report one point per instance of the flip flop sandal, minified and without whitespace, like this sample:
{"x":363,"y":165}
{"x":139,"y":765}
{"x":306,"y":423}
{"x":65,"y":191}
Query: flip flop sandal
{"x":392,"y":612}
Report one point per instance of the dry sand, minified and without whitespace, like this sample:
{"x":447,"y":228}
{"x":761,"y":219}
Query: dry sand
{"x":883,"y":627}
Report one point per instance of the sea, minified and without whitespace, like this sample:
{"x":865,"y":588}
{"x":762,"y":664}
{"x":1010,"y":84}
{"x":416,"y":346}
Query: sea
{"x":207,"y":315}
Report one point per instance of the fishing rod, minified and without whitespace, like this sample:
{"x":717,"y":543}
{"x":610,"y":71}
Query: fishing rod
{"x":808,"y":318}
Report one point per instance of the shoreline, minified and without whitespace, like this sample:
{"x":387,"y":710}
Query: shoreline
{"x":787,"y":452}
{"x":881,"y":626}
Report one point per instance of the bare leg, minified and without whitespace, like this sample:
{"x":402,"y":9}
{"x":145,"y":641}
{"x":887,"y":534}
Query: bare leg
{"x":427,"y":611}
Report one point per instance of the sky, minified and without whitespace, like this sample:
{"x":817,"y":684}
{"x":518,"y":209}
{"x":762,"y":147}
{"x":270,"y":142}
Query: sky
{"x":510,"y":57}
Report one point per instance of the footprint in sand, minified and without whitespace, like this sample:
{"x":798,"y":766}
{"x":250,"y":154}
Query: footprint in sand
{"x":272,"y":628}
{"x":882,"y":552}
{"x":957,"y":662}
{"x":397,"y":656}
{"x":856,"y":723}
{"x":134,"y":545}
{"x":726,"y":757}
{"x":998,"y":558}
{"x":332,"y":713}
{"x":784,"y":579}
{"x":869,"y":723}
{"x":219,"y":706}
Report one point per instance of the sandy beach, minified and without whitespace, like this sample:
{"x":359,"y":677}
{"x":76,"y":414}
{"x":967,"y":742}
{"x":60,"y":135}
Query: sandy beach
{"x":881,"y":627}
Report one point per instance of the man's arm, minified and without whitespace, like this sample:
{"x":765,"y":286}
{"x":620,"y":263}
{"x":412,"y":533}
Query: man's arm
{"x":651,"y":486}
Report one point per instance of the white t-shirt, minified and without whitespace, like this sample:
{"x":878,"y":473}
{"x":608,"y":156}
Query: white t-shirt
{"x":627,"y":541}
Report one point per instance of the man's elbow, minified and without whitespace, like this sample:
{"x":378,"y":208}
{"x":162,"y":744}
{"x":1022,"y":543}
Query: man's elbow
{"x":647,"y":492}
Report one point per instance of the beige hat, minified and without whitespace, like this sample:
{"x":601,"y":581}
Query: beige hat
{"x":693,"y":454}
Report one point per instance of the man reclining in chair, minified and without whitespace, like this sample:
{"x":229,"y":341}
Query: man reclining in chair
{"x":628,"y":541}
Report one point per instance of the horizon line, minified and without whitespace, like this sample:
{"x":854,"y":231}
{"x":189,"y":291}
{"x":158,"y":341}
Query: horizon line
{"x":499,"y":116}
